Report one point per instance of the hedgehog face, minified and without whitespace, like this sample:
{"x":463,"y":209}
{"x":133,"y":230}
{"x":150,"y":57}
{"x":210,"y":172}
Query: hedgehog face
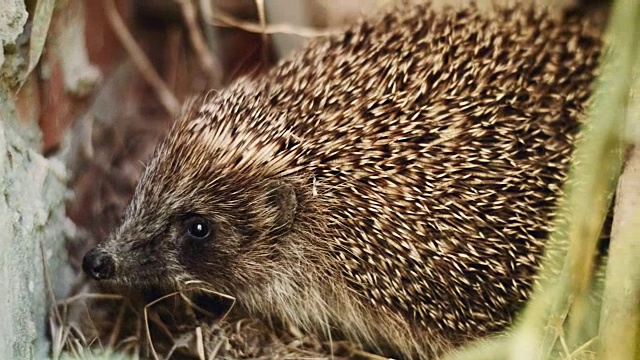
{"x":212,"y":204}
{"x":222,"y":233}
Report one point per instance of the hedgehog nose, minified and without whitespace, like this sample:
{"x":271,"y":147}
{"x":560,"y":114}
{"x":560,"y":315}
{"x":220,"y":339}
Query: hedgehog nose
{"x":98,"y":264}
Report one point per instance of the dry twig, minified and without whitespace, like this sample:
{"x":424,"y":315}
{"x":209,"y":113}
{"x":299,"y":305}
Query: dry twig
{"x":209,"y":64}
{"x":263,"y":25}
{"x":219,"y":18}
{"x":140,"y":60}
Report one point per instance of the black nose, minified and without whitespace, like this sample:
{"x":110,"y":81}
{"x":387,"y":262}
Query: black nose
{"x":98,"y":264}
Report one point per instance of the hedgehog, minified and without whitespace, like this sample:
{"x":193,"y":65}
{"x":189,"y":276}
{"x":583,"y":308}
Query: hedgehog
{"x":393,"y":184}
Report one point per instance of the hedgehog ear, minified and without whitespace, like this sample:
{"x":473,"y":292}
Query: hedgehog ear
{"x":282,"y":201}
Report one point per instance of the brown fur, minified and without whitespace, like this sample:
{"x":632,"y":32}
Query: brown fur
{"x":396,"y":182}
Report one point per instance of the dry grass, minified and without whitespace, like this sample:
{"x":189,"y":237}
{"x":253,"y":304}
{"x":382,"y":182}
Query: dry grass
{"x":178,"y":326}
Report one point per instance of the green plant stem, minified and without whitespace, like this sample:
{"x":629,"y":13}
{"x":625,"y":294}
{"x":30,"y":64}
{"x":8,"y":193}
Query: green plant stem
{"x":592,"y":178}
{"x":621,"y":302}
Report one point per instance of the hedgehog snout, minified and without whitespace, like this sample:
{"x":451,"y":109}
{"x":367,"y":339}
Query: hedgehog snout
{"x":99,"y":264}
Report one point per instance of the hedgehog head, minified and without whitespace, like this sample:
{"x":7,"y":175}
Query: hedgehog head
{"x":212,"y":205}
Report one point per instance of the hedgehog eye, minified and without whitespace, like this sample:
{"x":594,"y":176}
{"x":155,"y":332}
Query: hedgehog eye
{"x":198,"y":228}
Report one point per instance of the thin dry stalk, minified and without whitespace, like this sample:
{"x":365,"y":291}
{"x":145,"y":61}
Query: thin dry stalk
{"x":146,"y":322}
{"x":200,"y":343}
{"x":216,"y":349}
{"x":117,"y":327}
{"x":140,"y":60}
{"x":221,"y":19}
{"x":88,"y":296}
{"x":582,"y":348}
{"x":190,"y":286}
{"x":57,"y":341}
{"x":263,"y":25}
{"x":208,"y":63}
{"x":167,"y":331}
{"x":68,"y":337}
{"x":47,"y":279}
